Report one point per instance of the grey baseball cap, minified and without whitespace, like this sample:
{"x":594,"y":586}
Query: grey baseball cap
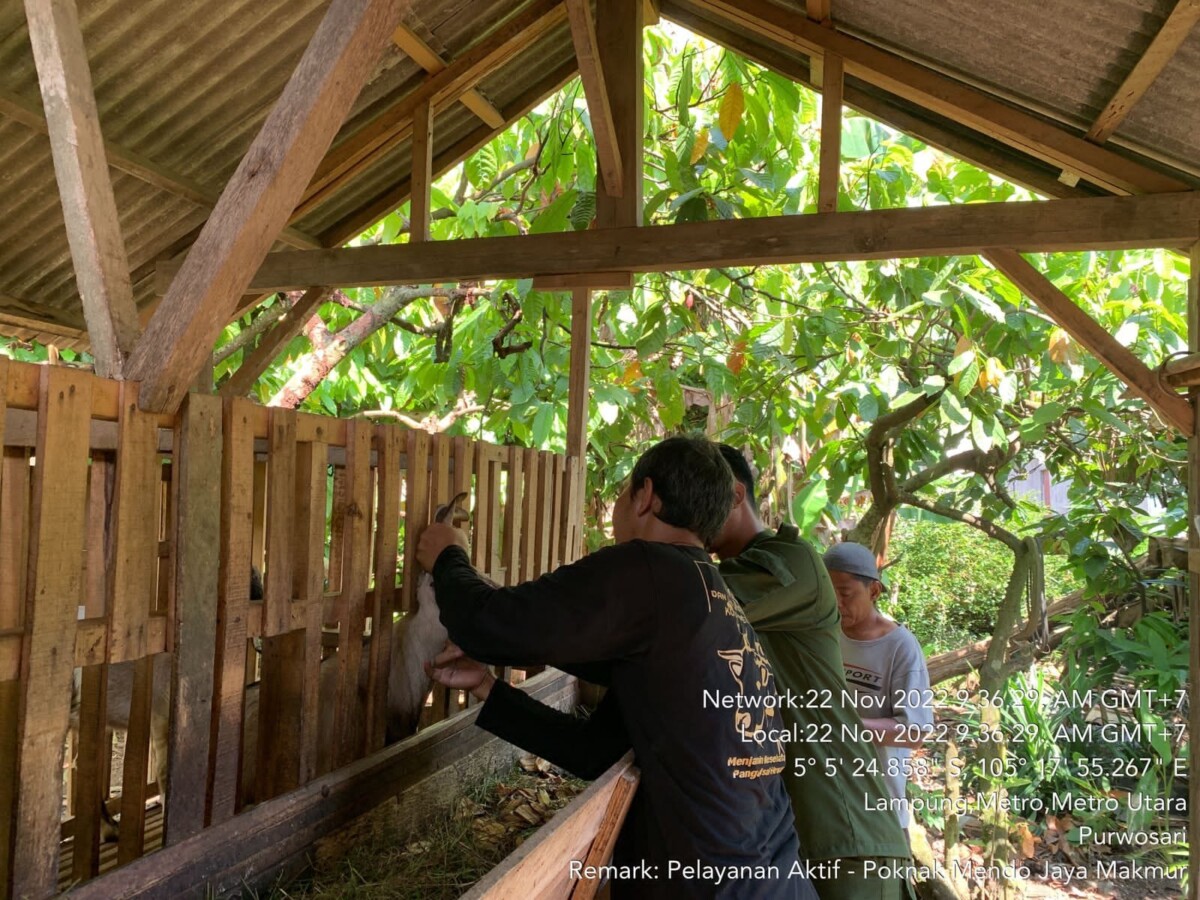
{"x":852,"y":558}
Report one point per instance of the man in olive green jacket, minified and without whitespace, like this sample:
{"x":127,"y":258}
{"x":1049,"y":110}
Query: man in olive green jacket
{"x":832,"y":776}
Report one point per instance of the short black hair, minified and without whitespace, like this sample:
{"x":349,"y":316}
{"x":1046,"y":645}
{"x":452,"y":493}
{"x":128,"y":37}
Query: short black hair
{"x":692,"y":480}
{"x":740,"y":468}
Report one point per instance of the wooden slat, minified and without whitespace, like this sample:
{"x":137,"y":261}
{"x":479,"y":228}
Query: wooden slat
{"x":429,"y":60}
{"x":1037,"y":226}
{"x":545,"y":510}
{"x":578,"y":395}
{"x":258,"y":528}
{"x":464,"y":465}
{"x":197,"y":470}
{"x":281,"y":497}
{"x":591,"y":72}
{"x":14,"y":521}
{"x":383,"y":600}
{"x":619,"y":26}
{"x":422,"y":173}
{"x":280,"y":708}
{"x":352,"y":602}
{"x":1169,"y":38}
{"x":271,"y":344}
{"x":337,"y":527}
{"x":1083,"y":328}
{"x":90,"y":789}
{"x":233,"y":601}
{"x":817,"y":10}
{"x":529,"y":515}
{"x":511,"y":554}
{"x":308,"y":587}
{"x":416,"y":511}
{"x":135,"y":538}
{"x":89,"y":207}
{"x":54,"y":589}
{"x":605,"y":841}
{"x":481,"y":551}
{"x":136,"y":763}
{"x":535,"y":870}
{"x":829,"y":177}
{"x":556,"y":512}
{"x":258,"y":200}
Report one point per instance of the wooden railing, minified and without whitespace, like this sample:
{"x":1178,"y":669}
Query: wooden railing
{"x":125,"y":536}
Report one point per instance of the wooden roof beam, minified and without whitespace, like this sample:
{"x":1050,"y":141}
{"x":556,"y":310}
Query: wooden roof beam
{"x":147,"y":170}
{"x":985,"y":155}
{"x":365,"y":147}
{"x":259,"y":198}
{"x":429,"y":60}
{"x":818,"y":10}
{"x":1174,"y":31}
{"x":619,"y":35}
{"x":88,"y":204}
{"x":591,"y":71}
{"x":945,"y":96}
{"x":1176,"y":410}
{"x":388,"y":201}
{"x":1036,"y":226}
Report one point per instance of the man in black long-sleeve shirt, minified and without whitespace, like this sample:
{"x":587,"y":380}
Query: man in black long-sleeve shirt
{"x":687,"y":683}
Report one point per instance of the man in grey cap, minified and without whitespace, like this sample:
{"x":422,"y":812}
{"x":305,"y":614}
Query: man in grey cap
{"x":885,"y":668}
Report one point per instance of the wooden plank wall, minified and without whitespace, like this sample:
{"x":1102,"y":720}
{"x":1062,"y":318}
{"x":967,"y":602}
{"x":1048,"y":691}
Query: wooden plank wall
{"x":112,"y":554}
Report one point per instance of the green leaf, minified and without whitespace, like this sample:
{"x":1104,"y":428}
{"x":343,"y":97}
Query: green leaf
{"x":542,"y":422}
{"x":809,"y":504}
{"x":554,"y":217}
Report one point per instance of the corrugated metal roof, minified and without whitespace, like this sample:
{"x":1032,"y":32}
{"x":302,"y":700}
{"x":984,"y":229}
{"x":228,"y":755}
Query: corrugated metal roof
{"x":187,"y":84}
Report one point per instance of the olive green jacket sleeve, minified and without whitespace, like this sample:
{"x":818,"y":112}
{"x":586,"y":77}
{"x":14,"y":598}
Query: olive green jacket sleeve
{"x":782,"y":583}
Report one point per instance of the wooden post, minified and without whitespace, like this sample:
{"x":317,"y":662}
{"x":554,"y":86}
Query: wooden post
{"x":55,"y":586}
{"x":233,"y":602}
{"x":619,"y":25}
{"x":308,"y":587}
{"x":831,"y":135}
{"x":578,"y":399}
{"x":1193,"y":313}
{"x":259,"y":198}
{"x":422,"y":173}
{"x":353,"y":598}
{"x":591,"y":71}
{"x":80,"y":165}
{"x":197,"y":471}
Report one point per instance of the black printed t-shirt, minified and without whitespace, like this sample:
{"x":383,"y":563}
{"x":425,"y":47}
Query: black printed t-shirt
{"x":659,"y":622}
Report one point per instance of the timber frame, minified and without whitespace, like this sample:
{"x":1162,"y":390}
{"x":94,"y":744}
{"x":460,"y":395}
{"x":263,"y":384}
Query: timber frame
{"x":377,"y":106}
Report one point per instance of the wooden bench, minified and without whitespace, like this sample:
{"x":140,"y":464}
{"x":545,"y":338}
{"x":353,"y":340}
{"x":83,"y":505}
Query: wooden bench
{"x":585,"y":830}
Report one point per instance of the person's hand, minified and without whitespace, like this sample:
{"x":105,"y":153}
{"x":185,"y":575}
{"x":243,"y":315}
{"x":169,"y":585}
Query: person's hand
{"x":434,"y":539}
{"x":455,"y":669}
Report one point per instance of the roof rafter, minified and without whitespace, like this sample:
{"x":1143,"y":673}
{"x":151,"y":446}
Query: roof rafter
{"x":260,"y":198}
{"x":946,"y":96}
{"x":431,"y":61}
{"x":84,"y":187}
{"x":1099,"y":223}
{"x":1174,"y":31}
{"x":367,"y":146}
{"x":147,"y":170}
{"x":591,"y":70}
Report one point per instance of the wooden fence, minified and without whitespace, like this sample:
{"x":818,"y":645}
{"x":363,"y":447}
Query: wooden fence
{"x":126,"y":546}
